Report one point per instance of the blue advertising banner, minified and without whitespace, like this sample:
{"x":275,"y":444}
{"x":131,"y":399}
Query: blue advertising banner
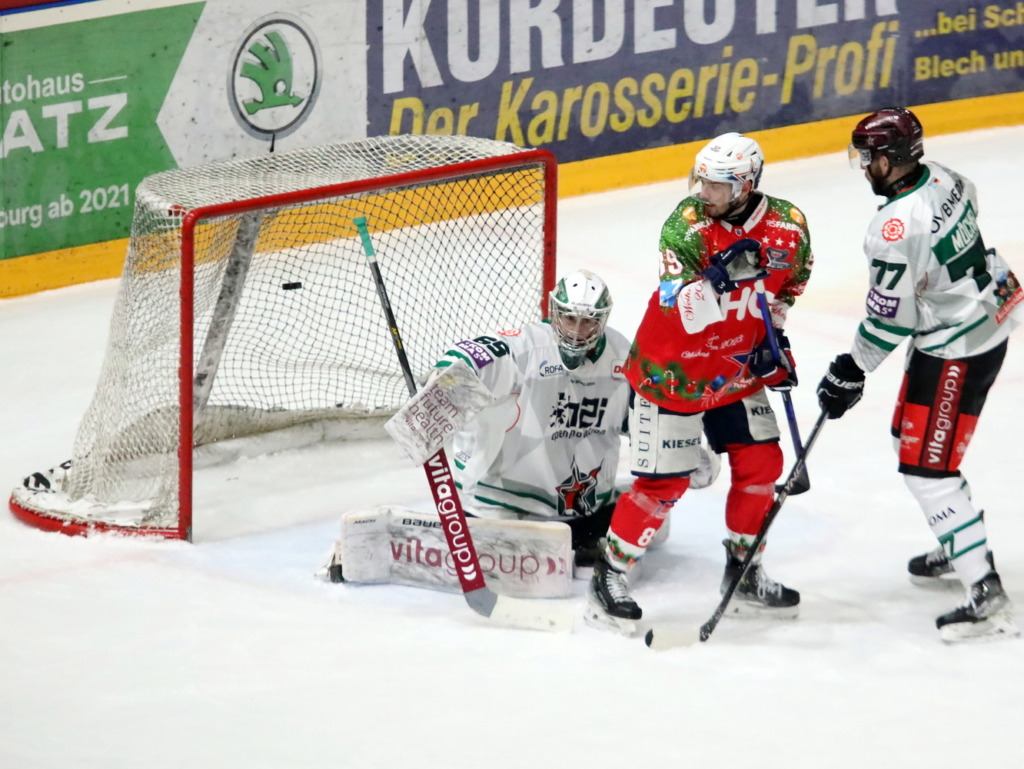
{"x":587,"y":78}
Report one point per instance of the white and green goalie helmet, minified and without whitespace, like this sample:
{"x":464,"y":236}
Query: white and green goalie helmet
{"x":579,"y":307}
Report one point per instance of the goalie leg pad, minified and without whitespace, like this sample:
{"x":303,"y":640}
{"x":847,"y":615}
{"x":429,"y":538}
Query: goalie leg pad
{"x":522,"y":559}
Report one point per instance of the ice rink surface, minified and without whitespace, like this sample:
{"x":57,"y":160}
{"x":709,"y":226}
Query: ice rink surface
{"x":118,"y":653}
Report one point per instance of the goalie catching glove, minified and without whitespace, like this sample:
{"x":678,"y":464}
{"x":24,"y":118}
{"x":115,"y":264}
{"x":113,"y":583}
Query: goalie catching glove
{"x":738,"y":263}
{"x":452,"y":396}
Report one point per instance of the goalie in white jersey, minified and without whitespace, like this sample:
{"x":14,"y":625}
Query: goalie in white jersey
{"x":548,"y":447}
{"x":932,"y":282}
{"x":536,"y":417}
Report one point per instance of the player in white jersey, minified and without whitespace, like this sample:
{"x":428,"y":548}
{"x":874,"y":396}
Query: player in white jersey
{"x":932,"y":282}
{"x":548,"y":448}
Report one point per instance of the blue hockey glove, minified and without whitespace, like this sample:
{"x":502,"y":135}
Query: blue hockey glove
{"x":778,"y":375}
{"x":738,"y":263}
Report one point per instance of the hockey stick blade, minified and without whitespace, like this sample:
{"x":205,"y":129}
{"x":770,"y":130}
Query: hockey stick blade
{"x":521,"y":613}
{"x":803,"y":481}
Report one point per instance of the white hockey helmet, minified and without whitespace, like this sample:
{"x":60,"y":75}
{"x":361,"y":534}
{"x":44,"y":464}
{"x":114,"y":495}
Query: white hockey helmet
{"x":579,"y":307}
{"x":732,"y":158}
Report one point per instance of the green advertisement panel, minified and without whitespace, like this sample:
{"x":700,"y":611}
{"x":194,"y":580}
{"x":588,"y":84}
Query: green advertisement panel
{"x":78,"y":125}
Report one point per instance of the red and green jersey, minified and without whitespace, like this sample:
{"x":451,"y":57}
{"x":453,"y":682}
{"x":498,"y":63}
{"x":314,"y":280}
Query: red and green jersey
{"x":690,"y":366}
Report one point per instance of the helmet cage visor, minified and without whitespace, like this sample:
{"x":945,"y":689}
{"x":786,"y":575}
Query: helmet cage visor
{"x":698,"y":179}
{"x":578,"y":326}
{"x":860,"y":157}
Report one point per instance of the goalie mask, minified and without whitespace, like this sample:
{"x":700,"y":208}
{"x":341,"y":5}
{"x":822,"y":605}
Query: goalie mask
{"x":731,"y":158}
{"x":579,"y":308}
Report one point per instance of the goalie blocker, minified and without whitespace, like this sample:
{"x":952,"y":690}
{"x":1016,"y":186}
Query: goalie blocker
{"x":450,"y":398}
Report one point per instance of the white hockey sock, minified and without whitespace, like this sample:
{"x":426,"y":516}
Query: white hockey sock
{"x":960,"y":529}
{"x":740,"y":543}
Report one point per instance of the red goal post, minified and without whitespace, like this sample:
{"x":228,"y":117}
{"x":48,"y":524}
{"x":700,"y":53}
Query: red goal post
{"x":245,"y":310}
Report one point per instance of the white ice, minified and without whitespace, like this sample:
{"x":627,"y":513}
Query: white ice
{"x":228,"y":653}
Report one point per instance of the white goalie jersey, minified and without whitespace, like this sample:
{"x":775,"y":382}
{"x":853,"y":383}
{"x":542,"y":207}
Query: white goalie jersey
{"x":932,"y":279}
{"x":549,"y":446}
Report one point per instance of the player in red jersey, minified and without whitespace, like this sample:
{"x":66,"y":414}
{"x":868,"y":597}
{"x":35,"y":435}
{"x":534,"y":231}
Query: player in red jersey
{"x":700,"y":362}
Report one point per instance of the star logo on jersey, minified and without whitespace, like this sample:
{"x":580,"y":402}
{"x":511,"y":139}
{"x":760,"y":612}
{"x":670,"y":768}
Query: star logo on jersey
{"x":577,"y":494}
{"x":741,"y":360}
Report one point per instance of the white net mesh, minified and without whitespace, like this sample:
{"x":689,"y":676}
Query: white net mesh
{"x":288,"y":327}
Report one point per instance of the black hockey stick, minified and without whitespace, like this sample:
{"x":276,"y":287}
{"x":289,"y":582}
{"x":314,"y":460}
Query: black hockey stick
{"x":803,"y":482}
{"x":503,"y":610}
{"x":667,"y":637}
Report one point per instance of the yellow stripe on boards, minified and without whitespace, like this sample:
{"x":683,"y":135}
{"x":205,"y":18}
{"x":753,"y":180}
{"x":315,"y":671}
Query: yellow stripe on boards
{"x":664,"y":164}
{"x":65,"y":267}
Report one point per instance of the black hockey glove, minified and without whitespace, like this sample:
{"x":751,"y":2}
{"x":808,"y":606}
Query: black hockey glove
{"x":775,"y":374}
{"x":841,"y":387}
{"x":738,"y":263}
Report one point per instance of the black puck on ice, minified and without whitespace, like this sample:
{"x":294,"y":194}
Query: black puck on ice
{"x":291,"y":286}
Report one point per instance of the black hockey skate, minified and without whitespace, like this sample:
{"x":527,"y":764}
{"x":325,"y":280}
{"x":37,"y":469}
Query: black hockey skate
{"x":609,"y":604}
{"x":757,"y":595}
{"x":331,"y":570}
{"x":934,"y":569}
{"x":987,"y":615}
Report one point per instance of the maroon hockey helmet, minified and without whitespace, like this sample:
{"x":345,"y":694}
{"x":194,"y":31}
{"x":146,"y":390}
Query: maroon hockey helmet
{"x":894,"y":132}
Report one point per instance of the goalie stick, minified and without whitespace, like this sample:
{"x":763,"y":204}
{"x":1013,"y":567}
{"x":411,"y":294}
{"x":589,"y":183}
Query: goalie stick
{"x":803,"y":482}
{"x":502,"y":610}
{"x":667,"y":636}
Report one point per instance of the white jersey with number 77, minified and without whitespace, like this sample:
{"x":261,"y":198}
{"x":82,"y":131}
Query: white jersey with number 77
{"x":932,"y":279}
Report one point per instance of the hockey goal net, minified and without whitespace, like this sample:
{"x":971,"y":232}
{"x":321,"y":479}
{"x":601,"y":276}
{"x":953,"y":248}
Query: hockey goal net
{"x":246,"y":308}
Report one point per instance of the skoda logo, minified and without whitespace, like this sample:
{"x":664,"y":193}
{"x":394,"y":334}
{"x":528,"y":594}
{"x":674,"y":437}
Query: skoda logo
{"x":275,"y":76}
